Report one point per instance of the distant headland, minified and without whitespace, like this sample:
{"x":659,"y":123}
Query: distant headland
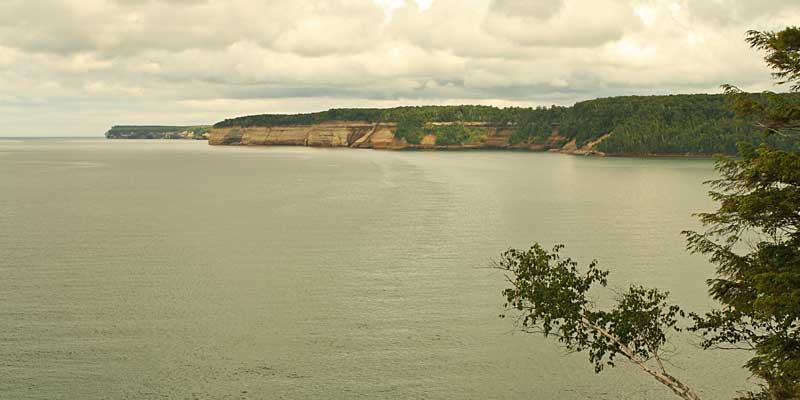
{"x":198,"y":132}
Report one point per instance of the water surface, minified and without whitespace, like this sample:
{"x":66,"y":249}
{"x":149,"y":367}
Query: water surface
{"x":165,"y":269}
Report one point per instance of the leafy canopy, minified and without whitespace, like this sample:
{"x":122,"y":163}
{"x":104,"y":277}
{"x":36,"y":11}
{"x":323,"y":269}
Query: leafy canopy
{"x":551,"y":296}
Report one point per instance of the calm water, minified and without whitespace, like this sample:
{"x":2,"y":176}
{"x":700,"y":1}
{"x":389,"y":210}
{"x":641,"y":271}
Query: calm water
{"x":177,"y":270}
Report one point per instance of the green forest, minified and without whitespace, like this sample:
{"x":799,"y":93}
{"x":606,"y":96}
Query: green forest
{"x":698,"y":123}
{"x":158,"y":132}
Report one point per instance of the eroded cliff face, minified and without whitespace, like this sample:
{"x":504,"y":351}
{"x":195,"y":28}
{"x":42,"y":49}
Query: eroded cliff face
{"x":333,"y":134}
{"x":342,"y":134}
{"x":588,"y":149}
{"x":356,"y":134}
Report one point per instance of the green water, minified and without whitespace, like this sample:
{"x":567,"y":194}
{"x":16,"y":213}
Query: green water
{"x":161,"y":269}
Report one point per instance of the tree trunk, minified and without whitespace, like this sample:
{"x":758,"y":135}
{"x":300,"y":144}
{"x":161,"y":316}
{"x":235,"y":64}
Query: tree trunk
{"x":663,"y":377}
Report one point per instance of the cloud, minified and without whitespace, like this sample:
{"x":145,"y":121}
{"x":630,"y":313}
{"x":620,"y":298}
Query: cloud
{"x":172,"y":61}
{"x":737,"y":12}
{"x":543,"y":9}
{"x":552,"y":23}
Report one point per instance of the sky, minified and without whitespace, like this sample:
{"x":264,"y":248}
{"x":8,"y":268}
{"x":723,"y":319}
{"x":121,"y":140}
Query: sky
{"x":76,"y":67}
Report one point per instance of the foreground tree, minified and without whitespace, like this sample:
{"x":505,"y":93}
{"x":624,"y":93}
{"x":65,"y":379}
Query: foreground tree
{"x":551,"y":296}
{"x":754,"y":236}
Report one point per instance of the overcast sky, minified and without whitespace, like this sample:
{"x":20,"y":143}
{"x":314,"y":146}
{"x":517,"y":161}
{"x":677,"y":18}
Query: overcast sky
{"x":76,"y":67}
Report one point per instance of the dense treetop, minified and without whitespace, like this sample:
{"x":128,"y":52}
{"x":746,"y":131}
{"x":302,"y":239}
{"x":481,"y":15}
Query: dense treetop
{"x":464,"y":113}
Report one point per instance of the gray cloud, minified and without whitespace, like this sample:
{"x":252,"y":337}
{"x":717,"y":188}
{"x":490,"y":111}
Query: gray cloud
{"x":82,"y":65}
{"x":543,"y":9}
{"x":734,"y":12}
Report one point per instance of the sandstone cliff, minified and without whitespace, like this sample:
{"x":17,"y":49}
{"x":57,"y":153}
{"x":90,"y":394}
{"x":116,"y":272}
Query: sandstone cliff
{"x":352,"y":134}
{"x":358,"y":134}
{"x":588,"y":149}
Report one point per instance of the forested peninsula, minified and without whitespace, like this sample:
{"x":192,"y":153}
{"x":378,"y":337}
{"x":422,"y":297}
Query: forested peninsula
{"x":198,"y":132}
{"x":680,"y":125}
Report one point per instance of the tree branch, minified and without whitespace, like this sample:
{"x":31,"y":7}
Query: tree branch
{"x":677,"y":387}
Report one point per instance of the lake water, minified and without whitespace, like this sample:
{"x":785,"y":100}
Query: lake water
{"x":167,"y":269}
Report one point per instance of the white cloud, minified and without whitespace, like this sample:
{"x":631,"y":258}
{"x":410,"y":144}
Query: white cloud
{"x":7,"y":56}
{"x":389,"y":7}
{"x":424,"y":4}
